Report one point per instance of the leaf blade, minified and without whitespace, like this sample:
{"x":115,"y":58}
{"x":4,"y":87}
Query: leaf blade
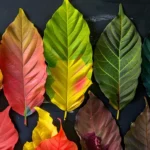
{"x":57,"y":142}
{"x":22,"y":64}
{"x":44,"y":130}
{"x":97,"y":132}
{"x":117,"y":58}
{"x":68,"y":53}
{"x":138,"y":136}
{"x":8,"y":133}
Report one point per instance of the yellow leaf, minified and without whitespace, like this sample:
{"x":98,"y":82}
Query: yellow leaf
{"x":78,"y":73}
{"x":44,"y":130}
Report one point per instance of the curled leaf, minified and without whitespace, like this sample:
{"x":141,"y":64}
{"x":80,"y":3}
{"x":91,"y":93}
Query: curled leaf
{"x":23,"y":65}
{"x":58,"y":142}
{"x":117,"y":64}
{"x":96,"y":127}
{"x":137,"y":138}
{"x":8,"y":133}
{"x":44,"y":130}
{"x":68,"y":53}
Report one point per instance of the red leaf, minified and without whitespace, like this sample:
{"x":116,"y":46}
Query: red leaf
{"x":23,"y":65}
{"x":58,"y":142}
{"x":96,"y":127}
{"x":8,"y":133}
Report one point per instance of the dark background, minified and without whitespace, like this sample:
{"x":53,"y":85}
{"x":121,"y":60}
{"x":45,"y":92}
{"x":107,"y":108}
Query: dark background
{"x":98,"y":14}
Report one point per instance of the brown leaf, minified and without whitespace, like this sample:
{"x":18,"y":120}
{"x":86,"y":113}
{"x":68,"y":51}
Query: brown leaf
{"x":138,"y":137}
{"x":96,"y":126}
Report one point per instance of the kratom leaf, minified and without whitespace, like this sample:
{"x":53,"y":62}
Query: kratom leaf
{"x":146,"y":64}
{"x":8,"y":133}
{"x":118,"y":60}
{"x":96,"y":127}
{"x":138,"y":137}
{"x":23,"y":65}
{"x":68,"y":53}
{"x":58,"y":142}
{"x":44,"y":130}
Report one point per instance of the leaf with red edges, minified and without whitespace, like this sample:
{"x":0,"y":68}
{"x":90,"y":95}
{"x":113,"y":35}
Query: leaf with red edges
{"x":23,"y":65}
{"x":96,"y":127}
{"x":58,"y":142}
{"x":8,"y":133}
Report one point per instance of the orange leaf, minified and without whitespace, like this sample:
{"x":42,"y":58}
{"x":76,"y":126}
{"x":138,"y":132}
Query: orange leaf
{"x":8,"y":134}
{"x":58,"y":142}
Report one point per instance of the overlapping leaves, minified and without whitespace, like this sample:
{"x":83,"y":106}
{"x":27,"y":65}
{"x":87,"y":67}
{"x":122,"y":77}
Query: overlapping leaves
{"x":45,"y":137}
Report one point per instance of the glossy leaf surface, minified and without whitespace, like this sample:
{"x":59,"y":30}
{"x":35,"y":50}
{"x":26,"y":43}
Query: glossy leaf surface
{"x":96,"y":127}
{"x":23,"y":65}
{"x":68,"y":53}
{"x":118,"y":61}
{"x":44,"y":130}
{"x":8,"y":133}
{"x":138,"y":137}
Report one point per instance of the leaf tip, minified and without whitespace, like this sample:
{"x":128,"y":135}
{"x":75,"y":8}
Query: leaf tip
{"x":120,"y":10}
{"x":146,"y":103}
{"x":21,"y":11}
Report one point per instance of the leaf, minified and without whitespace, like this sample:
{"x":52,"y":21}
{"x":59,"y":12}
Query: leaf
{"x":58,"y":142}
{"x":1,"y":80}
{"x":68,"y":53}
{"x":145,"y":64}
{"x":137,"y":138}
{"x":96,"y":127}
{"x":118,"y":60}
{"x":8,"y":133}
{"x":23,"y":65}
{"x":44,"y":130}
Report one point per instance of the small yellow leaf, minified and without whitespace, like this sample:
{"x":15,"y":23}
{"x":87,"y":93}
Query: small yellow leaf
{"x":44,"y":130}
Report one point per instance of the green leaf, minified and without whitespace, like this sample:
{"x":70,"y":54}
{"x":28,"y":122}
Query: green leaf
{"x":118,"y":61}
{"x":146,"y":64}
{"x":68,"y":53}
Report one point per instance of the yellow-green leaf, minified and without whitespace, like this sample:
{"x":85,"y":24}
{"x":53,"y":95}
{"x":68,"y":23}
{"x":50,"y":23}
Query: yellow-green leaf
{"x":44,"y":130}
{"x":68,"y":53}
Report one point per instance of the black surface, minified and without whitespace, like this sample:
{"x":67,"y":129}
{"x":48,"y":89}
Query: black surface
{"x":98,"y":13}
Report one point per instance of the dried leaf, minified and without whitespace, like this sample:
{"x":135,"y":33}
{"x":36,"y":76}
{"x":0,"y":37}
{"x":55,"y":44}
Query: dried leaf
{"x":96,"y":127}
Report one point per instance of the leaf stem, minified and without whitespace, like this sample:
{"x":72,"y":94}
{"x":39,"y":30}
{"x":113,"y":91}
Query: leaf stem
{"x":25,"y":120}
{"x":65,"y":115}
{"x":118,"y":114}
